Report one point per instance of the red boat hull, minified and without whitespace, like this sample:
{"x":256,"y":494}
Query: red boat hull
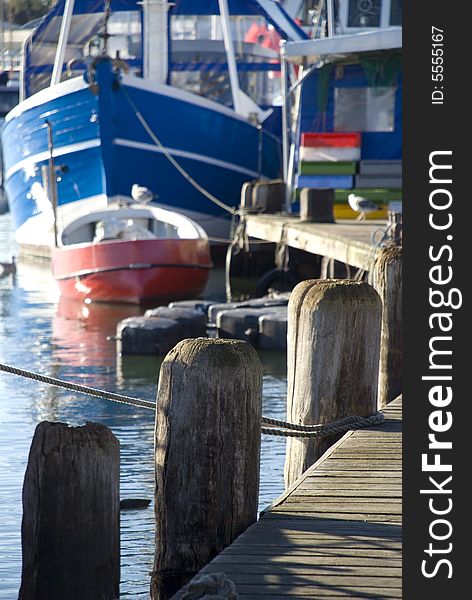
{"x":132,"y":271}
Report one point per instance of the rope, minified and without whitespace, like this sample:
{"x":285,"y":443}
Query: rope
{"x":228,"y":241}
{"x":282,"y":255}
{"x":81,"y":389}
{"x":172,"y":160}
{"x":240,"y":240}
{"x":287,"y":425}
{"x":209,"y":586}
{"x":322,"y":431}
{"x":374,"y":246}
{"x":276,"y":426}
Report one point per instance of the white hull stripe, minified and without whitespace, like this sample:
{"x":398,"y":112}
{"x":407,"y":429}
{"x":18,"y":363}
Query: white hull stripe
{"x":48,"y":94}
{"x":184,"y":154}
{"x":28,"y":163}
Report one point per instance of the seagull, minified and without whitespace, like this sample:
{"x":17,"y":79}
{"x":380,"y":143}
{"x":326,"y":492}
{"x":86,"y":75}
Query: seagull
{"x":7,"y":268}
{"x":141,"y":194}
{"x":361,"y":205}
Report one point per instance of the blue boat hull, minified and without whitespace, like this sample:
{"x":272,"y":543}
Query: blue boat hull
{"x":105,"y":141}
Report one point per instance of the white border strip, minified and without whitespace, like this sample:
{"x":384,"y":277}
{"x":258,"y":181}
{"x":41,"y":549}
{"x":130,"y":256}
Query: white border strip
{"x":383,"y":39}
{"x":30,"y":161}
{"x":184,"y":154}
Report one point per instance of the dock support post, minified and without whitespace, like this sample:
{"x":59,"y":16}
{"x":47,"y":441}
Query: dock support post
{"x":207,"y":448}
{"x":327,"y":268}
{"x":333,"y":348}
{"x":71,"y":514}
{"x":387,"y":280}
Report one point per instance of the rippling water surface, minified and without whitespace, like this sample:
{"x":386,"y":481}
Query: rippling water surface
{"x":41,"y":332}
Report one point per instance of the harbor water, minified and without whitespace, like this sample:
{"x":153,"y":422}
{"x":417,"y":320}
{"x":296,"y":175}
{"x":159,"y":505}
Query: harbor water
{"x":41,"y":332}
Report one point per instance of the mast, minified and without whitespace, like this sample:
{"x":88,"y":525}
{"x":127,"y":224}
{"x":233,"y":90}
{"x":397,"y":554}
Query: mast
{"x":231,"y":56}
{"x":330,"y":15}
{"x":155,"y":25}
{"x":62,"y":42}
{"x":242,"y":103}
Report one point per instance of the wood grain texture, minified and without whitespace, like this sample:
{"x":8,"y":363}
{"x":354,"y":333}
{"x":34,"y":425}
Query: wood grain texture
{"x":71,"y":514}
{"x":207,"y":449}
{"x":329,"y":536}
{"x":347,"y":241}
{"x":387,"y":280}
{"x":332,"y":360}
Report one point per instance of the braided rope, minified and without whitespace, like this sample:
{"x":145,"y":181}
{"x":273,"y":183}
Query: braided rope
{"x":333,"y":428}
{"x":276,"y":426}
{"x":287,"y":425}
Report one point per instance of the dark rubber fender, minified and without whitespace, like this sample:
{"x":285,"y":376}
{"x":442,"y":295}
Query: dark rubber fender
{"x":282,"y":280}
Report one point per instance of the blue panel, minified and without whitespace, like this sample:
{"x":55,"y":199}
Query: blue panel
{"x":375,"y":145}
{"x":210,"y":7}
{"x":83,"y":179}
{"x":325,"y":181}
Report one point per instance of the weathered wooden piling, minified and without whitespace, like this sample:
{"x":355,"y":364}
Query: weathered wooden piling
{"x":333,"y":350}
{"x":387,"y":280}
{"x":71,"y":514}
{"x":207,"y":446}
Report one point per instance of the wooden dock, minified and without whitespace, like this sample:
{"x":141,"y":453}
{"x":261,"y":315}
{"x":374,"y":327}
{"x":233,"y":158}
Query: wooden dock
{"x":336,"y":533}
{"x":347,"y":241}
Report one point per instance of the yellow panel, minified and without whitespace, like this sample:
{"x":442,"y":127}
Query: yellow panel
{"x":344,"y":211}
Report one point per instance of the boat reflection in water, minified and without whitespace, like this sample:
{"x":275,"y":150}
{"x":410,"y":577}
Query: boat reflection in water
{"x":80,"y":331}
{"x":83,"y":335}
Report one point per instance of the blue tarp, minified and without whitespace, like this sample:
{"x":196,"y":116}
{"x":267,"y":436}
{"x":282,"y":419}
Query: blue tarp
{"x":239,"y":7}
{"x":382,"y":145}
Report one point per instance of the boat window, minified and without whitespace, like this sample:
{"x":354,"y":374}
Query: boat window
{"x":84,"y":41}
{"x":8,"y":99}
{"x":41,"y":49}
{"x":364,"y":109}
{"x":164,"y":230}
{"x":113,"y":228}
{"x":198,"y":59}
{"x":396,"y":9}
{"x":364,"y":13}
{"x":124,"y":29}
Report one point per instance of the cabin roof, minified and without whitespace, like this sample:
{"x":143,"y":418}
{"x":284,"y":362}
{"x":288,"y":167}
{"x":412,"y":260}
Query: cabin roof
{"x":366,"y":41}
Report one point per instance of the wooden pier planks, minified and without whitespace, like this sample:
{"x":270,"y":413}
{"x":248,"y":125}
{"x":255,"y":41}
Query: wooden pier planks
{"x":347,"y":241}
{"x":336,"y":533}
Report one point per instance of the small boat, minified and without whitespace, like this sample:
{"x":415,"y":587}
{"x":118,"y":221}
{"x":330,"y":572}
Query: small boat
{"x":129,"y":252}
